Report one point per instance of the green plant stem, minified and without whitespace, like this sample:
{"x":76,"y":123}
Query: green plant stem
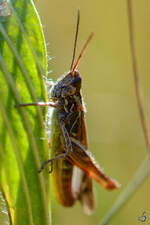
{"x":134,"y":184}
{"x":144,"y":170}
{"x":136,"y":76}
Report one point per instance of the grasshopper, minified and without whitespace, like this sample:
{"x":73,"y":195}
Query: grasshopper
{"x":73,"y":165}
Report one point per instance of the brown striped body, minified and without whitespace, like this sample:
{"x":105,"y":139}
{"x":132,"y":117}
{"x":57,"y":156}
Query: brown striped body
{"x":69,"y":131}
{"x":73,"y":166}
{"x":63,"y":169}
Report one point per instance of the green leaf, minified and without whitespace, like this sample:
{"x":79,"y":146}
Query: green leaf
{"x":23,"y":145}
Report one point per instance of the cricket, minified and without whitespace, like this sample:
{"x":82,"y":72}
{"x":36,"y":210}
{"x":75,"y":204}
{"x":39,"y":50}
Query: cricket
{"x":73,"y":168}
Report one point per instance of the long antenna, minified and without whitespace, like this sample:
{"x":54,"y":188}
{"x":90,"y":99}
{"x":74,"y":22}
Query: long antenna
{"x":81,"y":53}
{"x":75,"y":40}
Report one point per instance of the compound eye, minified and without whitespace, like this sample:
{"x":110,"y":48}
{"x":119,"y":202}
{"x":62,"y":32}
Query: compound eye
{"x":76,"y":82}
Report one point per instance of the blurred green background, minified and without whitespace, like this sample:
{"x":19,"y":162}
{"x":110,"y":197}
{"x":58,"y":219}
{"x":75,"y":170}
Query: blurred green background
{"x":114,"y":128}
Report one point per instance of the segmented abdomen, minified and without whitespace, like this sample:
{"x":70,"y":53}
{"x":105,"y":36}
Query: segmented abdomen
{"x":62,"y":168}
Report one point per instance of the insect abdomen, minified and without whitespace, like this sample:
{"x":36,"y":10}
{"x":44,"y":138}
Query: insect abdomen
{"x":62,"y":168}
{"x":62,"y":177}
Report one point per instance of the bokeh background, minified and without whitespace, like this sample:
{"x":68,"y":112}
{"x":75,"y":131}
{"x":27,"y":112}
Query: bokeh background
{"x":114,"y":129}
